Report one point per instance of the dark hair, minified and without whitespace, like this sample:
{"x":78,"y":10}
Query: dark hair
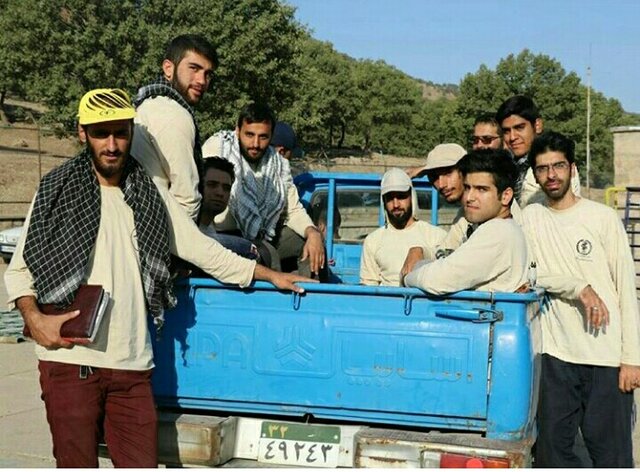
{"x":496,"y":162}
{"x":216,"y":162}
{"x":181,"y":45}
{"x":490,"y":119}
{"x":256,"y":112}
{"x":319,"y":212}
{"x":518,"y":105}
{"x":551,"y":141}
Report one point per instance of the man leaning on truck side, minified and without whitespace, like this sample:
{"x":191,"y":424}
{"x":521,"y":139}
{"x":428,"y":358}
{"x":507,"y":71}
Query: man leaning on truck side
{"x":99,"y":219}
{"x":590,"y":361}
{"x":494,"y":255}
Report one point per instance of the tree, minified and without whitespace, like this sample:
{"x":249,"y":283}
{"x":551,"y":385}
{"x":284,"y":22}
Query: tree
{"x":388,"y":104}
{"x":560,"y":97}
{"x":119,"y":43}
{"x":323,"y":106}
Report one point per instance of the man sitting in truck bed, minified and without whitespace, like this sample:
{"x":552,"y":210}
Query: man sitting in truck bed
{"x":383,"y":251}
{"x":264,"y":203}
{"x":494,"y":256}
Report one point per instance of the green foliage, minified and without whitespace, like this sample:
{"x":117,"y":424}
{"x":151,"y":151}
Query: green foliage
{"x":53,"y":51}
{"x":561,"y":99}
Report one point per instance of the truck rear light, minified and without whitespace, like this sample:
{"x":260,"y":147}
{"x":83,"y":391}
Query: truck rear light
{"x":459,"y":461}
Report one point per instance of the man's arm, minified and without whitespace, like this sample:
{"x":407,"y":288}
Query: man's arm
{"x":188,"y":243}
{"x":45,"y":329}
{"x":622,"y":270}
{"x":299,"y":221}
{"x":456,"y":235}
{"x":564,"y":286}
{"x":479,"y":260}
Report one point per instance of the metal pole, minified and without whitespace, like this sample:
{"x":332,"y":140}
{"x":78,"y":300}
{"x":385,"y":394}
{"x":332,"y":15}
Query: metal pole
{"x":589,"y":126}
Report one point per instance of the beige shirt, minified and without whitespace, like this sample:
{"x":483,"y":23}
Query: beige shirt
{"x":458,"y":231}
{"x":384,"y":251}
{"x":493,"y":259}
{"x":163,"y":143}
{"x":295,"y":216}
{"x":123,"y":340}
{"x":585,"y":244}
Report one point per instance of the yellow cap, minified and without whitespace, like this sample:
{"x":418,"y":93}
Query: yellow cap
{"x":105,"y":104}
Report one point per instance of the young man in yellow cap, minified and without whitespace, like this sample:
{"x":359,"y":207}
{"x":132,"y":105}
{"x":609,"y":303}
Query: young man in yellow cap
{"x":99,"y":219}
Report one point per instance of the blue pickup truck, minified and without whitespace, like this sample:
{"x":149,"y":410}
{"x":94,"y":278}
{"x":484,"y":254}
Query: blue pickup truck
{"x":347,"y":375}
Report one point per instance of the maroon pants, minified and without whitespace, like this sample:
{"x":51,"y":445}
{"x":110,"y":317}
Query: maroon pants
{"x":116,"y":405}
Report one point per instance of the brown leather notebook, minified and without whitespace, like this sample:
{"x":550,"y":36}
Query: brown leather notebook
{"x":92,"y":302}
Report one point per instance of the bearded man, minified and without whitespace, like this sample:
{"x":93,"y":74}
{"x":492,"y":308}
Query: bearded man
{"x":167,"y":141}
{"x":98,"y":219}
{"x":264,"y":205}
{"x":384,"y":250}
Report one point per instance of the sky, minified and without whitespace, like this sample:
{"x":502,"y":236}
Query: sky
{"x":443,"y":40}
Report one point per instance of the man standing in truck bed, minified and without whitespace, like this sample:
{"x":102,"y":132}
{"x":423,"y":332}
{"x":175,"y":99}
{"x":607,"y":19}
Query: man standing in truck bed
{"x":167,"y":141}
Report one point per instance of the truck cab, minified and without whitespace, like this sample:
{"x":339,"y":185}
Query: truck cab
{"x":347,"y":375}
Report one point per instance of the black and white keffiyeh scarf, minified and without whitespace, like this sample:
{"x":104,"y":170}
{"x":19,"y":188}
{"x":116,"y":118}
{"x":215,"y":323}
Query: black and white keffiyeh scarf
{"x":523,"y":166}
{"x":257,"y":197}
{"x":64,"y":226}
{"x":162,"y":87}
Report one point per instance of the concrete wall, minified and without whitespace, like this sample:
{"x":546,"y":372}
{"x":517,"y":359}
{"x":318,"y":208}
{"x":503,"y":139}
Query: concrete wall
{"x":626,"y":156}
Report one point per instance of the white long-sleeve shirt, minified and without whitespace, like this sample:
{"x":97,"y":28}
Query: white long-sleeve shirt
{"x":457,"y":233}
{"x":163,"y":142}
{"x":494,"y":258}
{"x":585,"y":245}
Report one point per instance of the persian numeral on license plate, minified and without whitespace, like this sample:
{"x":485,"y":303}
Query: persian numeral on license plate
{"x":299,"y":444}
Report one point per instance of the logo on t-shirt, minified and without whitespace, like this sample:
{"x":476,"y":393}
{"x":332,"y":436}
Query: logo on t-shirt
{"x":584,"y":247}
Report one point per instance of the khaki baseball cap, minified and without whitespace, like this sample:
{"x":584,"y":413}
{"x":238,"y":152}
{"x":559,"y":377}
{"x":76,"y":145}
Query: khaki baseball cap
{"x":444,"y":155}
{"x":395,"y":180}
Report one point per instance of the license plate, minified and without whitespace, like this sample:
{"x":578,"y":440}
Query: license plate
{"x":303,"y":445}
{"x":9,"y":249}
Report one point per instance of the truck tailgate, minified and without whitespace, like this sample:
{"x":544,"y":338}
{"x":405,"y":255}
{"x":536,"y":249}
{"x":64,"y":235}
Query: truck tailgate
{"x":379,"y":355}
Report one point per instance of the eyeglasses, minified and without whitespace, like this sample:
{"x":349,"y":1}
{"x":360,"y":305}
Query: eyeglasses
{"x":483,"y":139}
{"x":559,"y":166}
